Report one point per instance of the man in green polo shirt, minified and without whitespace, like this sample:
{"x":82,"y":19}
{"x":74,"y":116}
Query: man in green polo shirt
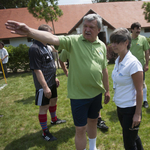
{"x":64,"y":57}
{"x":140,"y":49}
{"x":88,"y":75}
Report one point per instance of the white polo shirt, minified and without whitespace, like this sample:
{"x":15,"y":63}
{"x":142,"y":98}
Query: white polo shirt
{"x":125,"y":93}
{"x":3,"y":53}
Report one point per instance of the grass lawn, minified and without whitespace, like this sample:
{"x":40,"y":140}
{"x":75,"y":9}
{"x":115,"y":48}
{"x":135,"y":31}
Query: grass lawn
{"x":20,"y":129}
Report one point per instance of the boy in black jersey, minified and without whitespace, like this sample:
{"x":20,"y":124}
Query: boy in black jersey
{"x":43,"y":68}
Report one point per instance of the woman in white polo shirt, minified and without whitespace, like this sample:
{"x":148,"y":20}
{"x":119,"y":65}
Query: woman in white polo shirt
{"x":127,"y":83}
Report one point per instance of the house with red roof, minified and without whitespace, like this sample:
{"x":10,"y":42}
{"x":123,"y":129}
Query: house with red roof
{"x":114,"y":15}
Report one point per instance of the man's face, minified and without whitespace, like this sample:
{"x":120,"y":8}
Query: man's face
{"x":136,"y":31}
{"x":90,"y":30}
{"x":119,"y":48}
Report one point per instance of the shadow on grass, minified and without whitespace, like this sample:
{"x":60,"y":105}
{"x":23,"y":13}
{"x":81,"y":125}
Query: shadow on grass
{"x":36,"y":140}
{"x":60,"y":74}
{"x":24,"y":74}
{"x":103,"y":130}
{"x":21,"y":74}
{"x":148,"y":110}
{"x":113,"y":115}
{"x":29,"y":100}
{"x":1,"y":78}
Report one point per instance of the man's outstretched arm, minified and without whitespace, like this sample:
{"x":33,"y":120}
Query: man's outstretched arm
{"x":23,"y":29}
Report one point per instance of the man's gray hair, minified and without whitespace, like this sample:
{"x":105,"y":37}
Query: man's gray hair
{"x":45,"y":27}
{"x":91,"y":17}
{"x":120,"y":35}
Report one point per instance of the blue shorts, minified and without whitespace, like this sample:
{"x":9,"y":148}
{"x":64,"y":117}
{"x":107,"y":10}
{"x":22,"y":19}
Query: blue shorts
{"x":85,"y":108}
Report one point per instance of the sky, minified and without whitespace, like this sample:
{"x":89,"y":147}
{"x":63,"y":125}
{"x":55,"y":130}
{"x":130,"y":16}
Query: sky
{"x":69,"y":2}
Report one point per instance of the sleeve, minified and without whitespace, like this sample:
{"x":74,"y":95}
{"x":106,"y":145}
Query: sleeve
{"x":105,"y":58}
{"x":64,"y":43}
{"x":64,"y":55}
{"x":35,"y":58}
{"x":135,"y":67}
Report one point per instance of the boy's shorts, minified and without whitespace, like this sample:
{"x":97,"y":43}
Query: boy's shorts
{"x":85,"y":108}
{"x":41,"y":100}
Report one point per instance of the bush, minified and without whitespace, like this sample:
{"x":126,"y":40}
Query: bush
{"x":18,"y":57}
{"x":111,"y":56}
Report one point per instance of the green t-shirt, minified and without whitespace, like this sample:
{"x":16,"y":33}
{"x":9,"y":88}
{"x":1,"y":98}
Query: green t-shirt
{"x":138,"y":47}
{"x":87,"y":60}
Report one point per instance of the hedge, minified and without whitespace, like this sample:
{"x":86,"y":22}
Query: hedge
{"x":18,"y":58}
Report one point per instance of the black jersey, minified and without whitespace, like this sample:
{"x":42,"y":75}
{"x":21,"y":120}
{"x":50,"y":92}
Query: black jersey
{"x":41,"y":58}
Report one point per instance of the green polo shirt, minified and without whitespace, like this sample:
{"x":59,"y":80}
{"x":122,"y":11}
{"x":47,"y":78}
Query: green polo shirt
{"x":138,"y":47}
{"x":87,"y":60}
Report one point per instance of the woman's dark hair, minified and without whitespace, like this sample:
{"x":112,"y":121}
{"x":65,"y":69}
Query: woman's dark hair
{"x":120,"y":35}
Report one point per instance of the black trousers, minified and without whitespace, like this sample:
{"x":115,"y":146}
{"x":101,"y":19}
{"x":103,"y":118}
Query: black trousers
{"x":130,"y":137}
{"x":5,"y":69}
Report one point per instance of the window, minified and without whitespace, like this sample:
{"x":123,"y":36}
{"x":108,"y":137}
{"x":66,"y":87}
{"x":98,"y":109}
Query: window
{"x":147,"y":30}
{"x":6,"y":41}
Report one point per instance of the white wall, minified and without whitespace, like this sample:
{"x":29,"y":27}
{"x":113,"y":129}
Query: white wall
{"x":17,"y":41}
{"x":145,"y":34}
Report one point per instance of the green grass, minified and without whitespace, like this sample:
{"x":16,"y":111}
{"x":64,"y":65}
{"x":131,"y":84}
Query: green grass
{"x":20,"y":129}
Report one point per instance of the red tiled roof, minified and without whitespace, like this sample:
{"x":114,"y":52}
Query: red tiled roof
{"x":117,"y":14}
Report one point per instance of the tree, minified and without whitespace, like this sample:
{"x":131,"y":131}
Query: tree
{"x":41,"y":9}
{"x":45,"y":9}
{"x":4,"y":4}
{"x":146,"y":7}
